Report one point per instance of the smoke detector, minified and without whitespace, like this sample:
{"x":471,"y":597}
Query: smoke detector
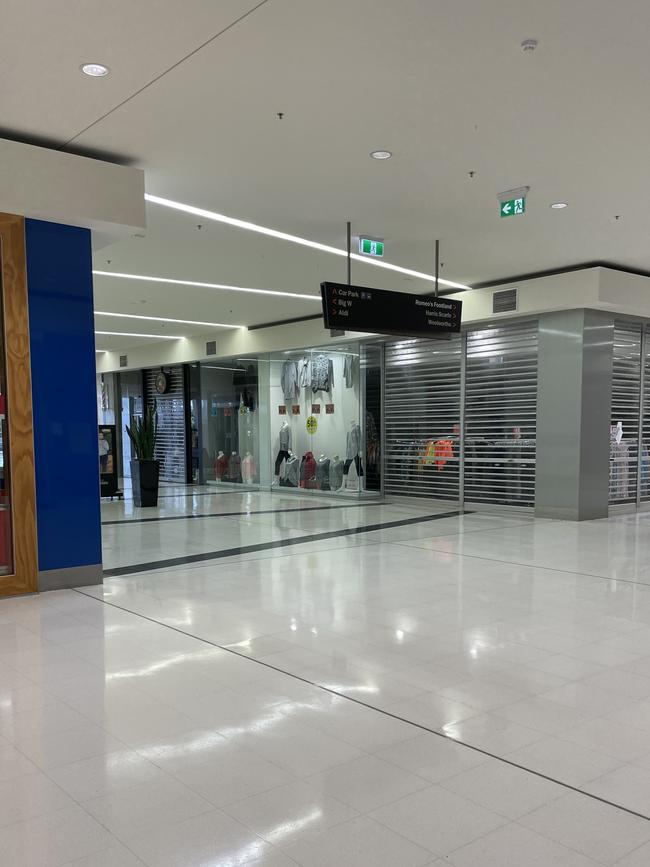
{"x":528,"y":45}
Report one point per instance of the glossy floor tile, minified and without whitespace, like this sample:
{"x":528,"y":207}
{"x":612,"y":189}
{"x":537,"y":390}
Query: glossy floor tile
{"x":423,"y":689}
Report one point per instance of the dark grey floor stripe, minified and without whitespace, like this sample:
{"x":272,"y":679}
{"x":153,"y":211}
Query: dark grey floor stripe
{"x":280,"y":543}
{"x":244,"y":514}
{"x":327,"y":689}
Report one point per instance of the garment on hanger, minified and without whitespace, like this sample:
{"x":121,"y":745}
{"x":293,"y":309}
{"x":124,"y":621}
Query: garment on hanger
{"x":372,"y":441}
{"x":323,"y":473}
{"x":428,"y":455}
{"x":289,"y":380}
{"x":443,"y":450}
{"x":322,"y":373}
{"x":248,"y":468}
{"x":244,"y":381}
{"x":349,"y":370}
{"x":353,"y":442}
{"x":304,"y":373}
{"x":336,"y":473}
{"x":308,"y":471}
{"x":234,"y":468}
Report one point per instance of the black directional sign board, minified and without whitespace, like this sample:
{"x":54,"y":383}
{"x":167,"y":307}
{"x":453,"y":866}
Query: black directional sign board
{"x":378,"y":311}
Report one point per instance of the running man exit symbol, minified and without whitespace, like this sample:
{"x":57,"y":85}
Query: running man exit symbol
{"x":512,"y":207}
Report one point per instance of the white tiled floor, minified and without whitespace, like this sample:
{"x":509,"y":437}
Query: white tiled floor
{"x":429,"y":693}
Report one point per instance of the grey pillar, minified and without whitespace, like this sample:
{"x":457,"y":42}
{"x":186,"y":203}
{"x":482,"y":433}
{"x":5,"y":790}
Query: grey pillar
{"x":574,"y":414}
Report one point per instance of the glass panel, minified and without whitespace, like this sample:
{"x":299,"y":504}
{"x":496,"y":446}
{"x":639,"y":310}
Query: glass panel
{"x":106,"y":398}
{"x":131,"y":408}
{"x":230,"y":421}
{"x":318,"y":435}
{"x":6,"y":537}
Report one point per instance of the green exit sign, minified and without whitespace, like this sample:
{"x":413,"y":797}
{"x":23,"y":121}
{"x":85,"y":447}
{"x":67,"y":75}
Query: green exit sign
{"x":371,"y":246}
{"x":512,"y":207}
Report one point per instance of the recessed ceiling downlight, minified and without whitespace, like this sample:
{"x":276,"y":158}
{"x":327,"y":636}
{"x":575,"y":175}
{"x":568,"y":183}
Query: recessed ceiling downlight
{"x":94,"y":70}
{"x":558,"y":206}
{"x":381,"y":155}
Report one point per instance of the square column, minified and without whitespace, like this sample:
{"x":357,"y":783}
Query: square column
{"x":574,"y":414}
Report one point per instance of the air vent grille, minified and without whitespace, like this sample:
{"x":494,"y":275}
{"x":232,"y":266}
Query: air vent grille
{"x":124,"y":360}
{"x":211,"y":347}
{"x":504,"y":301}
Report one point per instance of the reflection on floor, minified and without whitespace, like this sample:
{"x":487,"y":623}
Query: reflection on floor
{"x":464,"y":690}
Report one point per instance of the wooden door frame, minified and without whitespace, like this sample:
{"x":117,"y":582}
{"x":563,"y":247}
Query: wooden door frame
{"x":22,"y":476}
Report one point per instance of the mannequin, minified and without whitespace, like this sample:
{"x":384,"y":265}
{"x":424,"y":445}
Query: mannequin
{"x":248,"y":468}
{"x":323,"y":473}
{"x":284,"y":440}
{"x":220,"y":466}
{"x":234,"y":468}
{"x":336,"y":473}
{"x":291,"y":472}
{"x":353,"y":452}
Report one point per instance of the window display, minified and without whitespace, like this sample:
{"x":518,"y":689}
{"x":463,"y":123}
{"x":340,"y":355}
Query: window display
{"x":318,"y":437}
{"x":229,"y":390}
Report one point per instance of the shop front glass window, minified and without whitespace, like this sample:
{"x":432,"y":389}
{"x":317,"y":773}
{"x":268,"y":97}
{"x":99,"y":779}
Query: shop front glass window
{"x":230,"y":441}
{"x":318,"y":431}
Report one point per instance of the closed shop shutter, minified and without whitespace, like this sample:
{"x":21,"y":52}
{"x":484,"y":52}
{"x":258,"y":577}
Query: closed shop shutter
{"x":626,"y":396}
{"x":422,"y":417}
{"x":645,"y":444}
{"x":501,"y":414}
{"x":170,"y":446}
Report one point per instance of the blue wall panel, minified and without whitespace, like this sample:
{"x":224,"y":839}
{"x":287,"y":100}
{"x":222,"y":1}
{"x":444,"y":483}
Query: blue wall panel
{"x":61,"y":325}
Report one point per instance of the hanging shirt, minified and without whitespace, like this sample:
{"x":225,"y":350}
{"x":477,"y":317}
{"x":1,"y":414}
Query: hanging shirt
{"x":303,"y":372}
{"x":349,"y":370}
{"x":289,"y":380}
{"x":322,"y":373}
{"x":443,"y":451}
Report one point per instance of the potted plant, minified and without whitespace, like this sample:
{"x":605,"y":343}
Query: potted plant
{"x":145,"y":469}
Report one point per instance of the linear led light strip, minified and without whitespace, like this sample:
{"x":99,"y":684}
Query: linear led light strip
{"x":150,"y":279}
{"x":131,"y":334}
{"x":295,"y":239}
{"x":164,"y":319}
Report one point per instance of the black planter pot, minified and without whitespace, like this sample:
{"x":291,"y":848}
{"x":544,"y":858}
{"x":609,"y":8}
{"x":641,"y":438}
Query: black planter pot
{"x":144,"y":479}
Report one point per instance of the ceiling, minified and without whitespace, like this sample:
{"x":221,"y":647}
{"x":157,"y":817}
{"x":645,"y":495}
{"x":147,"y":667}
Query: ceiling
{"x":193,"y":96}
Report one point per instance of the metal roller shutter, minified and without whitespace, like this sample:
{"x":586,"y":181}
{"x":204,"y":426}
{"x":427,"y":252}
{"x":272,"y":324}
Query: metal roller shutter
{"x":422,"y":395}
{"x":170,"y":447}
{"x":644,"y":476}
{"x":501,"y":415}
{"x":626,"y":402}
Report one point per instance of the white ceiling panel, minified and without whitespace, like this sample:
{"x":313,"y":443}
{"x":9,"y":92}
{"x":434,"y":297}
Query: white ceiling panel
{"x":443,"y":84}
